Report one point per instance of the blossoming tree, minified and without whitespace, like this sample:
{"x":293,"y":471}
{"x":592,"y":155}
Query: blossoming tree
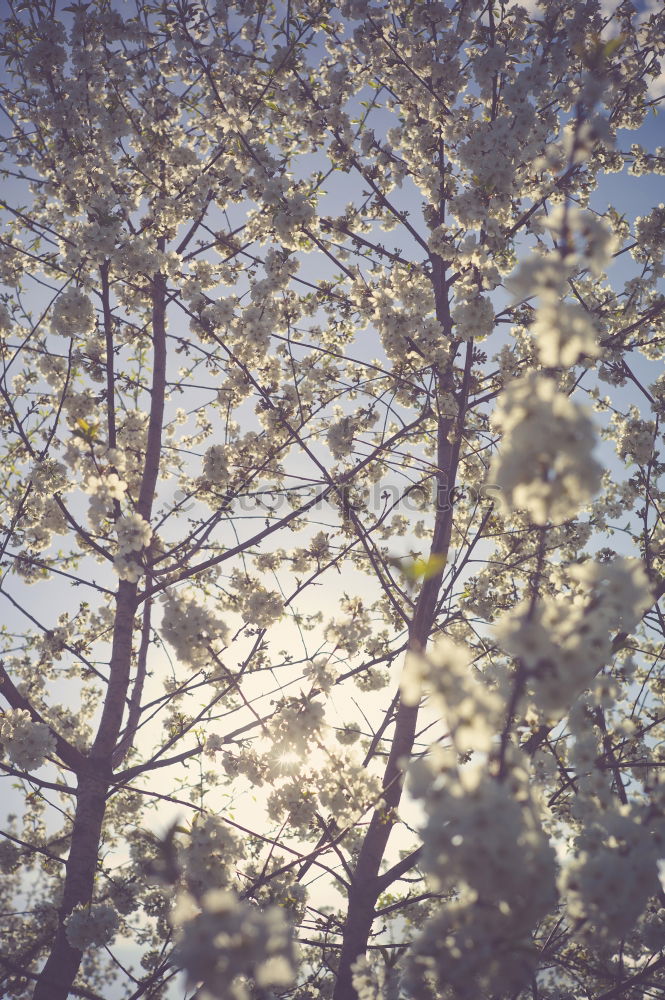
{"x":332,"y":521}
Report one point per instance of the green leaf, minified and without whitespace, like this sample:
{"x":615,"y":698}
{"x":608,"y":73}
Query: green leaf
{"x":86,"y":430}
{"x":418,"y":568}
{"x":425,"y":569}
{"x":613,"y":44}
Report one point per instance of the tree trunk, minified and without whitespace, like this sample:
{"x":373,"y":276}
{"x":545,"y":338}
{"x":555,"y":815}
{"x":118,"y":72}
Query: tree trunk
{"x":60,"y":970}
{"x":367,"y":886}
{"x":95,"y":776}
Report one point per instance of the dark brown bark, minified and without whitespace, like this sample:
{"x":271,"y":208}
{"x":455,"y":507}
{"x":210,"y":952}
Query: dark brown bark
{"x":59,"y":972}
{"x":95,"y":773}
{"x":367,"y":884}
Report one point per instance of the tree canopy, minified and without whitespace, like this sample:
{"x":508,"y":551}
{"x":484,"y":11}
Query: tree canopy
{"x":332,"y":502}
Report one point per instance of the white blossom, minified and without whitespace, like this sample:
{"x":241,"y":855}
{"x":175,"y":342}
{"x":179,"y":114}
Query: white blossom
{"x":368,"y":982}
{"x":216,"y":465}
{"x":321,"y":672}
{"x":134,"y":533}
{"x":611,"y":875}
{"x":545,"y":465}
{"x":223,"y":940}
{"x":6,"y":321}
{"x":564,"y":334}
{"x":295,"y":723}
{"x":636,"y":438}
{"x":471,"y":711}
{"x":73,"y":313}
{"x":340,"y":436}
{"x":127,"y":568}
{"x":211,"y":854}
{"x":26,"y":743}
{"x":106,"y":487}
{"x":473,"y":318}
{"x":95,"y":924}
{"x":191,"y":628}
{"x":562,"y":644}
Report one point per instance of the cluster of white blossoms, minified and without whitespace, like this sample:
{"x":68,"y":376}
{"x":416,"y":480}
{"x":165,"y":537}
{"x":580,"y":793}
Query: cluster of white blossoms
{"x":610,"y":871}
{"x":103,"y":490}
{"x":53,"y":369}
{"x":219,"y":314}
{"x":253,"y":330}
{"x":280,"y":890}
{"x":545,"y":465}
{"x":295,"y":723}
{"x":352,"y":631}
{"x":6,"y":321}
{"x":487,"y":833}
{"x":249,"y":763}
{"x":224,"y":942}
{"x":41,"y":514}
{"x":343,"y":789}
{"x":216,"y":465}
{"x":482,"y":837}
{"x":564,"y":334}
{"x":369,"y":982}
{"x":321,"y":672}
{"x":563,"y":330}
{"x":257,"y":605}
{"x":635,"y":437}
{"x":400,"y":305}
{"x":26,"y":743}
{"x":91,"y":925}
{"x":468,"y":950}
{"x":609,"y":885}
{"x":473,"y":318}
{"x":290,"y":220}
{"x":211,"y":853}
{"x":73,"y":314}
{"x":279,"y":270}
{"x":562,"y":644}
{"x":10,"y":857}
{"x":134,"y":534}
{"x":346,"y":789}
{"x":340,"y":436}
{"x":348,"y":734}
{"x":650,"y":237}
{"x":191,"y":628}
{"x":295,"y":800}
{"x":612,"y":874}
{"x":48,"y":477}
{"x":471,"y":710}
{"x":10,"y":263}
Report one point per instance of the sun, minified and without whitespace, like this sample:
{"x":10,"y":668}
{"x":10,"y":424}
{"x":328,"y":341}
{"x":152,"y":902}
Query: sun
{"x":289,"y":761}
